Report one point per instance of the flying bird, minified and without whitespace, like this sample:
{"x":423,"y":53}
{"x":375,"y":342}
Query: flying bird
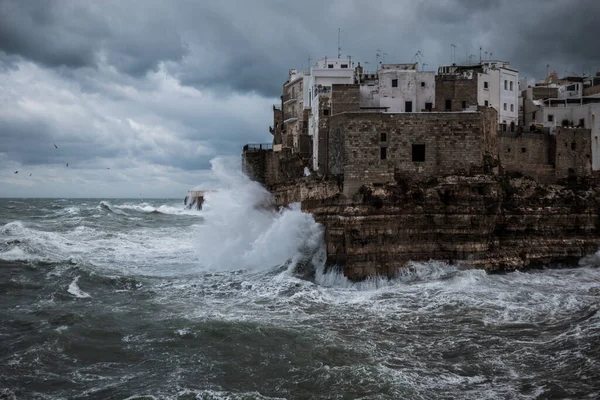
{"x":55,"y":145}
{"x":30,"y":174}
{"x":67,"y":165}
{"x":16,"y":172}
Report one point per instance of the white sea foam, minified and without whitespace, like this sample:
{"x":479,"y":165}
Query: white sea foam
{"x":76,"y":291}
{"x":243,"y":231}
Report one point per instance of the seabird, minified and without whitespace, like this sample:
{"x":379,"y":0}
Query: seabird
{"x":55,"y":145}
{"x":16,"y":172}
{"x":67,"y":165}
{"x":30,"y":174}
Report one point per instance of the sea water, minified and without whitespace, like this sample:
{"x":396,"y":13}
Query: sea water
{"x":144,"y":299}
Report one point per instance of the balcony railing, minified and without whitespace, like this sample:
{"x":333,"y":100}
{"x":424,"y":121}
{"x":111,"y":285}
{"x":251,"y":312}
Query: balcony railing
{"x":258,"y":146}
{"x":287,"y":98}
{"x":289,"y":117}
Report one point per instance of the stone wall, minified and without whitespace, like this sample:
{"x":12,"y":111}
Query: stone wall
{"x":345,"y":97}
{"x":457,"y":88}
{"x":377,"y":147}
{"x":323,"y":128}
{"x":255,"y":163}
{"x":573,"y":152}
{"x":519,"y":149}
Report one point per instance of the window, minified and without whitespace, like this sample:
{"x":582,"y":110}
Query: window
{"x":505,"y":84}
{"x":428,"y":106}
{"x":508,"y":150}
{"x":383,"y":136}
{"x":485,"y":85}
{"x":504,"y":126}
{"x":394,"y":82}
{"x":418,"y":152}
{"x":511,"y":85}
{"x":582,"y":123}
{"x":326,"y":111}
{"x":512,"y":126}
{"x":550,"y":118}
{"x":487,"y":103}
{"x":422,"y":84}
{"x":512,"y":107}
{"x":573,"y":146}
{"x":330,"y":66}
{"x":464,"y":104}
{"x":408,"y":106}
{"x":504,"y":106}
{"x":383,"y":153}
{"x":448,"y":105}
{"x":344,"y":65}
{"x":523,"y":150}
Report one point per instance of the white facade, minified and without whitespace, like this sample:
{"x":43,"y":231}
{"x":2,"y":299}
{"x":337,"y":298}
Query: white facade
{"x":402,"y":88}
{"x":589,"y":114}
{"x":326,"y":72}
{"x":497,"y":87}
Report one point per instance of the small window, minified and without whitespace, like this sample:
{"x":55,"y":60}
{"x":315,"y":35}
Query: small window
{"x":504,"y":106}
{"x":504,"y":126}
{"x":383,"y":136}
{"x":508,"y":150}
{"x":422,"y":84}
{"x":573,"y":146}
{"x":582,"y":123}
{"x":485,"y":85}
{"x":487,"y":103}
{"x":448,"y":105}
{"x":512,"y":107}
{"x":550,"y":118}
{"x":394,"y":82}
{"x":326,"y":111}
{"x":511,"y":85}
{"x":408,"y":106}
{"x":418,"y":152}
{"x":464,"y":104}
{"x":505,"y":85}
{"x":428,"y":106}
{"x":330,"y":66}
{"x":344,"y":65}
{"x":523,"y":150}
{"x":383,"y":153}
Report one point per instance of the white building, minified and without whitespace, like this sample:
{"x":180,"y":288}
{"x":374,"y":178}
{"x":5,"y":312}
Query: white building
{"x":559,"y":112}
{"x":497,"y":86}
{"x":317,"y":89}
{"x":403,"y":88}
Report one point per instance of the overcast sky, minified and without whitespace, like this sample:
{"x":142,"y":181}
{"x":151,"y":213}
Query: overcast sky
{"x":155,"y":89}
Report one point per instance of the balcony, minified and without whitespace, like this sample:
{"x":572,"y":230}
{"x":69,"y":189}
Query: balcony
{"x":289,"y":117}
{"x":258,"y":146}
{"x":287,"y":98}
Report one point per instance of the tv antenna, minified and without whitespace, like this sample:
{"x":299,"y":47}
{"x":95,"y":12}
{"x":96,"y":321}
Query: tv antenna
{"x":453,"y":53}
{"x":423,"y":67}
{"x":339,"y":48}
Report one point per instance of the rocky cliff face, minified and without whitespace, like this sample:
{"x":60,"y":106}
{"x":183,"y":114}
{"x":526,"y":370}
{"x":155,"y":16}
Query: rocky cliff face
{"x":477,"y":221}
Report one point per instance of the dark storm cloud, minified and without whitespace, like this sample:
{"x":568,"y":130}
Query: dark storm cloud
{"x":79,"y":34}
{"x":160,"y":87}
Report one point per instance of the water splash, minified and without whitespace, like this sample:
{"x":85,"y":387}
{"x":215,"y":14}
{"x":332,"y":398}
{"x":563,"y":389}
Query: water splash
{"x":243,"y":230}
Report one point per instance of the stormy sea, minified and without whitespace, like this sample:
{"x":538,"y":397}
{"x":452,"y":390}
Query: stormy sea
{"x":144,"y":299}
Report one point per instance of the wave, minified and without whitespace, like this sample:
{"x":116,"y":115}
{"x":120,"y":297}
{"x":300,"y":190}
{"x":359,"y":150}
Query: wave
{"x":76,"y":291}
{"x":147,"y":208}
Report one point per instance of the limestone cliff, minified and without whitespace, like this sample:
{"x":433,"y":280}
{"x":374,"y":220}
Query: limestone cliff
{"x":481,"y":221}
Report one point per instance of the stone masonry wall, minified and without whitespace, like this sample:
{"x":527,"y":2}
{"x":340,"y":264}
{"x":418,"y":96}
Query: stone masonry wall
{"x":454,"y":143}
{"x":345,"y":97}
{"x":573,"y":152}
{"x":457,"y":89}
{"x":519,"y":149}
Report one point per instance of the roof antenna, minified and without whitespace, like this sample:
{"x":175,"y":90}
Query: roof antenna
{"x":339,"y":48}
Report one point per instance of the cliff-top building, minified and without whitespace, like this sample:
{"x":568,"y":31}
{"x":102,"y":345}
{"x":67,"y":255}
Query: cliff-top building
{"x":488,"y":84}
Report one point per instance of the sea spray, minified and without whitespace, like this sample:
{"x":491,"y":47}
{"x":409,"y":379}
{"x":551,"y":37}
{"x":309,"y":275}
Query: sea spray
{"x":242,"y":228}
